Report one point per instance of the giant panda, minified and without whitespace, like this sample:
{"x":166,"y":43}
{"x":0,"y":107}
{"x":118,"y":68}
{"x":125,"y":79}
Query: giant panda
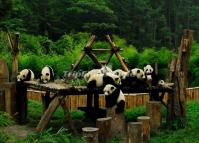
{"x":100,"y":81}
{"x":102,"y":70}
{"x":134,"y":78}
{"x":122,"y":74}
{"x":47,"y":74}
{"x":25,"y":75}
{"x":114,"y":97}
{"x":152,"y":77}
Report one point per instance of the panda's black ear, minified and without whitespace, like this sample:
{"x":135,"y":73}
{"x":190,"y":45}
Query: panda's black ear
{"x":145,"y":65}
{"x":138,"y":71}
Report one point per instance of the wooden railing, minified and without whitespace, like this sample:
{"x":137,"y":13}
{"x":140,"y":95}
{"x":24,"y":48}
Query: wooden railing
{"x":132,"y":100}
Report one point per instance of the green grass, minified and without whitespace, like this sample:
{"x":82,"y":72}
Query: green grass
{"x":5,"y":119}
{"x":188,"y":135}
{"x":55,"y":133}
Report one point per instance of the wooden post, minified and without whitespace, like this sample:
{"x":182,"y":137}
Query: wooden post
{"x":67,"y":116}
{"x":22,"y":102}
{"x":146,"y":127}
{"x":14,"y":51}
{"x":153,"y":111}
{"x":46,"y":100}
{"x":90,"y":134}
{"x":118,"y":125}
{"x":4,"y":77}
{"x":104,"y":125}
{"x":135,"y":134}
{"x":2,"y":99}
{"x":179,"y":76}
{"x":10,"y":96}
{"x":48,"y":113}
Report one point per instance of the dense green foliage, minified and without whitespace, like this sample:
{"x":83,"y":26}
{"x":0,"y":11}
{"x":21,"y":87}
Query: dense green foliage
{"x":142,"y":22}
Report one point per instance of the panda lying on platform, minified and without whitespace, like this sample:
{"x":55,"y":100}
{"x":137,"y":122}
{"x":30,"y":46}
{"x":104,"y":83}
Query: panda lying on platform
{"x":103,"y":70}
{"x":25,"y":75}
{"x":114,"y":97}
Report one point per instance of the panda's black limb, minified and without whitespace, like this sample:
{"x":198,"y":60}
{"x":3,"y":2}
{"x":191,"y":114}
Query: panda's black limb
{"x":120,"y":107}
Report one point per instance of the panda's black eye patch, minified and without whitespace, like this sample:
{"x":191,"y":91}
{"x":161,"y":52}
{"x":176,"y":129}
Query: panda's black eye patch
{"x":47,"y":74}
{"x":117,"y":79}
{"x":138,"y":71}
{"x":146,"y":69}
{"x":111,"y":88}
{"x":24,"y":76}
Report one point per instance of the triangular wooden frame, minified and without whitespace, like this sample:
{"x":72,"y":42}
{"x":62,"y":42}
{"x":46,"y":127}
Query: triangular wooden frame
{"x":89,"y":51}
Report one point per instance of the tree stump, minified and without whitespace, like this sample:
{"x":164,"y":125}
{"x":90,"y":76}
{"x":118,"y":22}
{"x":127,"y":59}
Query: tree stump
{"x":118,"y":125}
{"x":135,"y":133}
{"x":146,"y":127}
{"x":90,"y":134}
{"x":104,"y":125}
{"x":153,"y":111}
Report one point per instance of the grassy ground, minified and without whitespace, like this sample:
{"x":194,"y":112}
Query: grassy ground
{"x":188,"y":135}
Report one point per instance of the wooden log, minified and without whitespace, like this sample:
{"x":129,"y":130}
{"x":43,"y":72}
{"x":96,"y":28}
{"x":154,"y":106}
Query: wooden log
{"x":46,"y":100}
{"x":15,"y":52}
{"x":146,"y":127}
{"x":153,"y":111}
{"x":90,"y":134}
{"x":94,"y":58}
{"x":10,"y":96}
{"x":82,"y":55}
{"x":118,"y":124}
{"x":135,"y":134}
{"x":48,"y":113}
{"x":22,"y":102}
{"x":104,"y":125}
{"x":67,"y":116}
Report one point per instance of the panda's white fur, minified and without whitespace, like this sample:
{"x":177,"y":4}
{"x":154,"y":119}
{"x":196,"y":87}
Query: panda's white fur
{"x":25,"y":75}
{"x":122,"y":74}
{"x":138,"y":73}
{"x":47,"y":74}
{"x":99,"y":79}
{"x":114,"y":97}
{"x":103,"y":70}
{"x":148,"y":69}
{"x":92,"y":72}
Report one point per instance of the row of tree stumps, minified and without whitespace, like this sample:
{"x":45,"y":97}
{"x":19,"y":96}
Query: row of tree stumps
{"x":132,"y":132}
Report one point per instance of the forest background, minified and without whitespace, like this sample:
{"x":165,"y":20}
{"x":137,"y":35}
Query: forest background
{"x":53,"y":32}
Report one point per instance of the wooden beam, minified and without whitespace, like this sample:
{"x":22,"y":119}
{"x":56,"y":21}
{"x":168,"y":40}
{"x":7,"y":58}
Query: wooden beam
{"x":94,"y":58}
{"x":74,"y":67}
{"x":124,"y":67}
{"x":48,"y":113}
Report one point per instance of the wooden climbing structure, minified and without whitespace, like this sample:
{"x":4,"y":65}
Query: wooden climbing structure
{"x":90,"y":52}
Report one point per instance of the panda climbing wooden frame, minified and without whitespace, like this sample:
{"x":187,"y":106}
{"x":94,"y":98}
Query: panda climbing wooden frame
{"x":89,"y":51}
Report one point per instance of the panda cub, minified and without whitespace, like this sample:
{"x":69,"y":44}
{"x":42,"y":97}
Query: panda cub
{"x":100,"y":80}
{"x":25,"y":75}
{"x":103,"y":70}
{"x":47,"y":74}
{"x":134,"y":78}
{"x":122,"y":74}
{"x":114,"y":96}
{"x":151,"y":77}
